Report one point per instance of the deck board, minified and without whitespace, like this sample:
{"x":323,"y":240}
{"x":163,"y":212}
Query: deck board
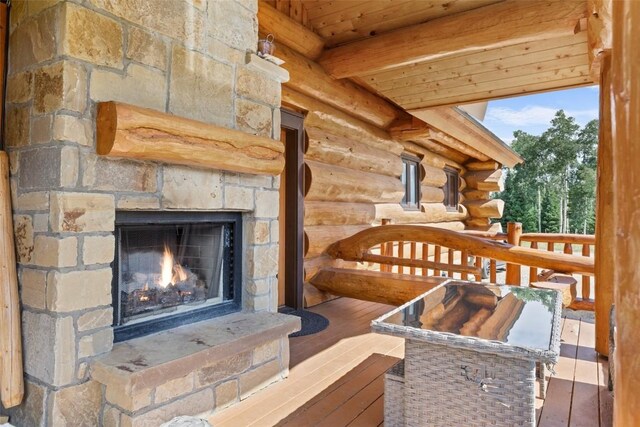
{"x":337,"y":377}
{"x":584,"y":408}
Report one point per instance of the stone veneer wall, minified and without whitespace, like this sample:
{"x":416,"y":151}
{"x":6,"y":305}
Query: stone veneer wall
{"x":186,"y":57}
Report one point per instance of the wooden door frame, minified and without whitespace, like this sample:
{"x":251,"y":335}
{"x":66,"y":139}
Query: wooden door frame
{"x":294,"y":210}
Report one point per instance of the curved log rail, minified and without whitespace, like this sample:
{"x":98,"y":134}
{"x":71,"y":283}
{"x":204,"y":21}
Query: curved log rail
{"x":412,"y":257}
{"x":358,"y":247}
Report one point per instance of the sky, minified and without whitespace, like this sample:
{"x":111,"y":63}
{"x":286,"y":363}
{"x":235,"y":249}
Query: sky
{"x":533,"y":113}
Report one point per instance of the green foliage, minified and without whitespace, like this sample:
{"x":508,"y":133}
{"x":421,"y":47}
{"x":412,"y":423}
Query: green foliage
{"x":553,"y":190}
{"x":550,"y":212}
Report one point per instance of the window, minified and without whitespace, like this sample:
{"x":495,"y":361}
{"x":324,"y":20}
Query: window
{"x":411,"y":181}
{"x":451,"y":188}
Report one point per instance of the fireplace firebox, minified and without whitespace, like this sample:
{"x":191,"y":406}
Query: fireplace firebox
{"x":174,"y":268}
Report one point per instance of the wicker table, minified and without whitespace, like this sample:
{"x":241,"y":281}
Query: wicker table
{"x":471,"y":352}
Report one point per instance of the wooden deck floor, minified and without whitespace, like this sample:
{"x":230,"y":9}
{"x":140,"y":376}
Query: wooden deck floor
{"x":336,"y":377}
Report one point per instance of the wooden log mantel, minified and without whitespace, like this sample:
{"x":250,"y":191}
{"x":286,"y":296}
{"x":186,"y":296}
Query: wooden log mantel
{"x":142,"y":134}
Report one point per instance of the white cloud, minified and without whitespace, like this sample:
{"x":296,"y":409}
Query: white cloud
{"x":532,"y":115}
{"x":527,"y":116}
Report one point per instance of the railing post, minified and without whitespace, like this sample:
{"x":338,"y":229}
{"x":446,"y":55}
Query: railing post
{"x":605,"y":263}
{"x":514,"y":233}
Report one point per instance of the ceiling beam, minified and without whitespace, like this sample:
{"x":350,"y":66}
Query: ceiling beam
{"x":289,"y":32}
{"x":490,"y":27}
{"x":421,"y":133}
{"x":463,"y":127}
{"x":598,"y":34}
{"x":310,"y":79}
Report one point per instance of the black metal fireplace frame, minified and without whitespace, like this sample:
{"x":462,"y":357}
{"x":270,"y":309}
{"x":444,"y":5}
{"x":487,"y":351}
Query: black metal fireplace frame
{"x":233,"y":262}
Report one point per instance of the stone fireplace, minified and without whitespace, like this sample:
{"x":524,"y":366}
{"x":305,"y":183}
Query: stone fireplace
{"x":190,"y":58}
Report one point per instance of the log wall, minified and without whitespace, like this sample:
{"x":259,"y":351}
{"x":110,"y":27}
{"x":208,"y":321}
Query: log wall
{"x":352,"y":181}
{"x":480,"y":179}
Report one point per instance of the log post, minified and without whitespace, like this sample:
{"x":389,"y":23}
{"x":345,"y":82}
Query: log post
{"x":625,"y":69}
{"x":11,"y":375}
{"x":605,"y":214}
{"x":514,"y":232}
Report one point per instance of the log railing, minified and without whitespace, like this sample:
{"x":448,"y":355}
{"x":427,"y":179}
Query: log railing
{"x":415,"y":250}
{"x":570,"y":244}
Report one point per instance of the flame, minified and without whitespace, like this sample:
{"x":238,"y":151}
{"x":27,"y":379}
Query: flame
{"x":167,"y":267}
{"x":179,"y":274}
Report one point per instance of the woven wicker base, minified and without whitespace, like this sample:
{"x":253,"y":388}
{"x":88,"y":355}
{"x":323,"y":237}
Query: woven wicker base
{"x":442,"y":388}
{"x":394,"y":396}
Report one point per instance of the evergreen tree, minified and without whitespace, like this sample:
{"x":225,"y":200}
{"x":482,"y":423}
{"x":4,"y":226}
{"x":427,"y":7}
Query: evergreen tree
{"x":553,"y":190}
{"x":550,"y":212}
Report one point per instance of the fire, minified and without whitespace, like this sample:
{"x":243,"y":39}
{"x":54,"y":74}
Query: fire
{"x":166,"y":267}
{"x":171,"y":273}
{"x":179,"y":274}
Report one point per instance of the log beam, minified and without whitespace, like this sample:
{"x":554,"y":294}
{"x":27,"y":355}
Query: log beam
{"x":432,"y":176}
{"x":138,"y":133}
{"x":482,"y":166}
{"x":625,"y":70}
{"x":336,"y":213}
{"x":463,"y":127}
{"x":598,"y":34}
{"x":418,"y":131}
{"x":375,"y":286}
{"x":330,"y":119}
{"x":427,"y":147}
{"x":310,"y":79}
{"x":326,"y":147}
{"x":484,"y":180}
{"x":490,"y":27}
{"x":493,"y":208}
{"x":324,"y":182}
{"x":288,"y":32}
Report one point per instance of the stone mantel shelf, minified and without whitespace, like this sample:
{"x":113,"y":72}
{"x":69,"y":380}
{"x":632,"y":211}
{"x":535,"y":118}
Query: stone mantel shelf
{"x":138,"y":133}
{"x":150,"y":361}
{"x":262,"y":65}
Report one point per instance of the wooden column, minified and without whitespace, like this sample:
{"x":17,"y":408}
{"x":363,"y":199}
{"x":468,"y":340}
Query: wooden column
{"x":604,"y":262}
{"x":625,"y":70}
{"x":514,"y":232}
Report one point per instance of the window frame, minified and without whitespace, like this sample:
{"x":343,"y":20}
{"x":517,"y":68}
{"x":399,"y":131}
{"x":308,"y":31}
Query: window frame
{"x":451,"y":173}
{"x":407,"y":160}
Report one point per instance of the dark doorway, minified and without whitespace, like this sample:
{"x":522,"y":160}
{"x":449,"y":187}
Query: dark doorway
{"x":291,"y":268}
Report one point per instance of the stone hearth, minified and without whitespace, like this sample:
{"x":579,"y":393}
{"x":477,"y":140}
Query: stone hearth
{"x":189,"y":58}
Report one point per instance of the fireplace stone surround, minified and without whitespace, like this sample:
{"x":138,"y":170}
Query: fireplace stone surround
{"x":189,"y":58}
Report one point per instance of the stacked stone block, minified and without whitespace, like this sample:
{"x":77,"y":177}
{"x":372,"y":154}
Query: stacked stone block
{"x":186,"y":57}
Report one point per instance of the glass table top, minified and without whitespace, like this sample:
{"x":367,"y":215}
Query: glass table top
{"x":518,"y":316}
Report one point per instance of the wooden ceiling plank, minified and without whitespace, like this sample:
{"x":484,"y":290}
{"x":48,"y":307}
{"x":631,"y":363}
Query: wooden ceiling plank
{"x":514,"y":82}
{"x":369,"y":18}
{"x":502,"y":64}
{"x":488,"y":75}
{"x":548,"y":86}
{"x":289,"y":32}
{"x":516,"y":85}
{"x":475,"y":58}
{"x":493,"y":26}
{"x":399,"y":14}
